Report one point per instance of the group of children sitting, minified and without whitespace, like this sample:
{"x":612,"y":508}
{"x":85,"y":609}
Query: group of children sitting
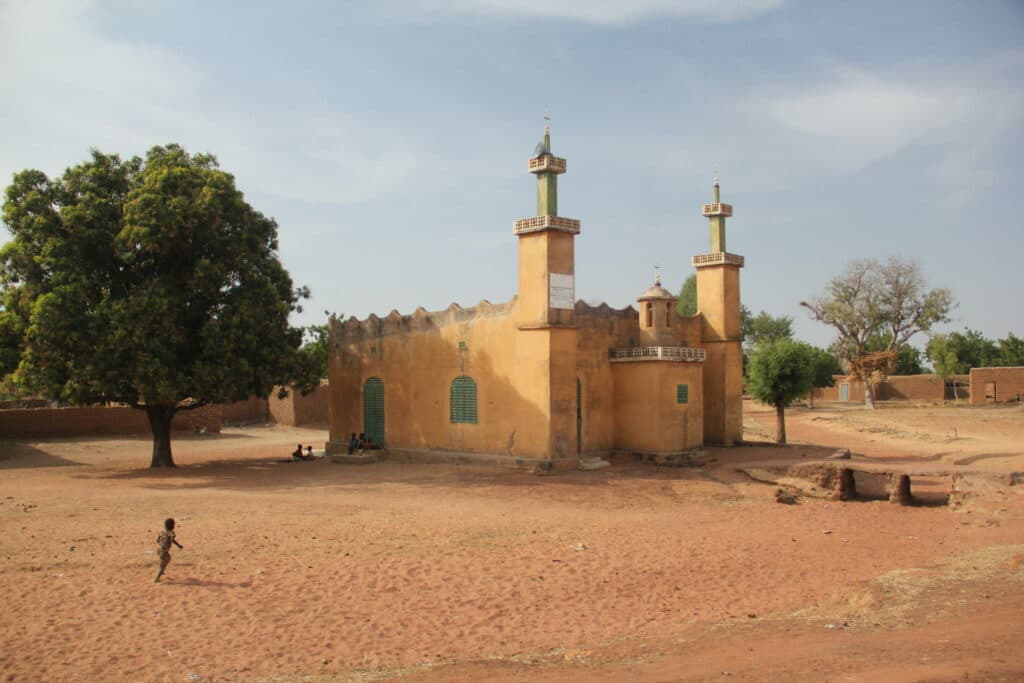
{"x":356,"y":444}
{"x":363,"y":442}
{"x":299,"y":454}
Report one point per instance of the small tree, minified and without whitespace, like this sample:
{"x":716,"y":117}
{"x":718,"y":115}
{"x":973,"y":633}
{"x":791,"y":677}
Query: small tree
{"x":686,"y":305}
{"x":149,"y":282}
{"x":870,"y":298}
{"x":780,"y":372}
{"x":947,"y":364}
{"x":824,"y":367}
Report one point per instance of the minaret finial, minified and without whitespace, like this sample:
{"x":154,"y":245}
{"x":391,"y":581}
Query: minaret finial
{"x":657,"y":274}
{"x":547,"y":118}
{"x":717,"y":197}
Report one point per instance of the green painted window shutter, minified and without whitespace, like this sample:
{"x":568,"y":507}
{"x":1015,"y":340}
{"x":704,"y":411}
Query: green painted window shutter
{"x":373,"y":409}
{"x":682,"y":393}
{"x":463,"y":400}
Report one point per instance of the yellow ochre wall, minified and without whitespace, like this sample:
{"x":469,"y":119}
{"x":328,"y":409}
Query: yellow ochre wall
{"x":519,"y":411}
{"x":648,"y":417}
{"x":526,"y":383}
{"x":541,"y":253}
{"x":718,"y":300}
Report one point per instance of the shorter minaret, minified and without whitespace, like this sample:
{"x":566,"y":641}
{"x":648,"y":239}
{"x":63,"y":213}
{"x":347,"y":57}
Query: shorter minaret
{"x":718,"y":302}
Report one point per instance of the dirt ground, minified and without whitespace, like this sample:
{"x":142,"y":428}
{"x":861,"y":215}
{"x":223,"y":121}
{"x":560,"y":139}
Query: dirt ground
{"x":323,"y":572}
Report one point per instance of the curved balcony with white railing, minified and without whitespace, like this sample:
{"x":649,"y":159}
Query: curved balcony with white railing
{"x":679,"y":354}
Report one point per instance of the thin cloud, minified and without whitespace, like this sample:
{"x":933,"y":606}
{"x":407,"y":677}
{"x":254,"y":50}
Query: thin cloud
{"x":75,"y":83}
{"x":876,"y":113}
{"x":605,"y":12}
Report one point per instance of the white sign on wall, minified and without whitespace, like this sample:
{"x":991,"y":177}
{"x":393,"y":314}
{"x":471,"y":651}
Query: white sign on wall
{"x":563,"y":291}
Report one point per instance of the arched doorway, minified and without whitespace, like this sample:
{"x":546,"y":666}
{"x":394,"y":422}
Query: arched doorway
{"x":373,"y":410}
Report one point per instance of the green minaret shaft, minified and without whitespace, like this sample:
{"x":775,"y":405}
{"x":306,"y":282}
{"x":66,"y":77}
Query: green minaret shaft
{"x":547,"y":186}
{"x":716,"y":226}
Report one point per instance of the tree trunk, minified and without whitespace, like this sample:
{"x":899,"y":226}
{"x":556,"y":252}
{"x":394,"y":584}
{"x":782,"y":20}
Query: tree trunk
{"x":780,"y":423}
{"x":810,"y":399}
{"x":160,"y":417}
{"x":869,"y":395}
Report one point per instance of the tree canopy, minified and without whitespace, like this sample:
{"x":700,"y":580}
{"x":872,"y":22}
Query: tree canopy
{"x":149,"y":282}
{"x":686,"y":304}
{"x":781,"y":371}
{"x":907,"y":360}
{"x":871,"y":298}
{"x":764,"y":327}
{"x":973,"y":350}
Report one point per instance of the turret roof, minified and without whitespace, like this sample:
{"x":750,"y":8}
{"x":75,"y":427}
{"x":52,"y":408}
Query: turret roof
{"x":656,"y":292}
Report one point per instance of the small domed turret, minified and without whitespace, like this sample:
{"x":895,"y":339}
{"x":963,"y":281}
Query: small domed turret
{"x":657,"y":310}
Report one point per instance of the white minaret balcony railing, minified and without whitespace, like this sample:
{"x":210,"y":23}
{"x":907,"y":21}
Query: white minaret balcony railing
{"x":672,"y":353}
{"x":547,"y":164}
{"x":717,"y":258}
{"x":718,"y":209}
{"x":538,"y":223}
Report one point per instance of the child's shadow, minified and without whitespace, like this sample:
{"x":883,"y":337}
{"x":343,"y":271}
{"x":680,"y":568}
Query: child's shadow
{"x":212,"y":584}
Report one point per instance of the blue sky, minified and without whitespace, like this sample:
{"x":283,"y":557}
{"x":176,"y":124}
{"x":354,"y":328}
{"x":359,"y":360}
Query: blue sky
{"x":389,"y":139}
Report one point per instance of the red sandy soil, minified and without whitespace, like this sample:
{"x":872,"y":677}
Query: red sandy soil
{"x":313,"y":571}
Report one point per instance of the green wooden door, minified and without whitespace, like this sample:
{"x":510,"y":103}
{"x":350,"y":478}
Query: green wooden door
{"x":373,"y":410}
{"x":579,"y":416}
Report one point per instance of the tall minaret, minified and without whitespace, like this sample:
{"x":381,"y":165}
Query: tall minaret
{"x":546,"y":343}
{"x":718,"y":301}
{"x":546,"y":256}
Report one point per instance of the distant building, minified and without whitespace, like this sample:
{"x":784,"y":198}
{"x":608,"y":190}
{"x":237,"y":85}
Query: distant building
{"x":545,"y":376}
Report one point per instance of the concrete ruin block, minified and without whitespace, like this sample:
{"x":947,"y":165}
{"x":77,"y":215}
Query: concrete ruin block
{"x":590,"y":464}
{"x":899,"y":489}
{"x":845,"y":486}
{"x":786,"y":496}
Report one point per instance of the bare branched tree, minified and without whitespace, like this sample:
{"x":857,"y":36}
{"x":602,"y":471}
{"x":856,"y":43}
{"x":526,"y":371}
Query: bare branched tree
{"x":872,"y":297}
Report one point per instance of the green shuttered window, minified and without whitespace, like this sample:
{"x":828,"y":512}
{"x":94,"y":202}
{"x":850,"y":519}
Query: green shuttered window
{"x":373,"y":409}
{"x":463,"y":400}
{"x":682,"y":393}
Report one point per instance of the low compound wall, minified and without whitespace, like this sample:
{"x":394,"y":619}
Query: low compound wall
{"x":296,"y":410}
{"x":254,"y":409}
{"x":894,"y":388}
{"x":97,"y":421}
{"x":996,"y":385}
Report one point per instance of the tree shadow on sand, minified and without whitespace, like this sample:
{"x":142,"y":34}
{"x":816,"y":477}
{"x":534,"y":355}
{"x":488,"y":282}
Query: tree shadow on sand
{"x":14,"y":455}
{"x":281,"y":473}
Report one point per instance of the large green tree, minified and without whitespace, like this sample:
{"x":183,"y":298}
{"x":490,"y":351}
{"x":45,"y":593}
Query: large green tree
{"x":149,"y":282}
{"x":872,"y":297}
{"x":781,"y":371}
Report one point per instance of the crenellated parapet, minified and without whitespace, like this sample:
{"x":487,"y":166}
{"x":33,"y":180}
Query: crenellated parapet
{"x":353,"y":330}
{"x":603,"y":311}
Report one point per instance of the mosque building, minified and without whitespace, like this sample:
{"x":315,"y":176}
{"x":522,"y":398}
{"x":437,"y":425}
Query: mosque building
{"x":545,"y":378}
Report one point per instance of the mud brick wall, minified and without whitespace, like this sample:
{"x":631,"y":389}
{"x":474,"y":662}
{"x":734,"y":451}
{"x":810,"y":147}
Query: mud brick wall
{"x":895,"y":388}
{"x":254,"y":409}
{"x":297,"y":410}
{"x":97,"y":421}
{"x":1008,"y":383}
{"x":911,"y":387}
